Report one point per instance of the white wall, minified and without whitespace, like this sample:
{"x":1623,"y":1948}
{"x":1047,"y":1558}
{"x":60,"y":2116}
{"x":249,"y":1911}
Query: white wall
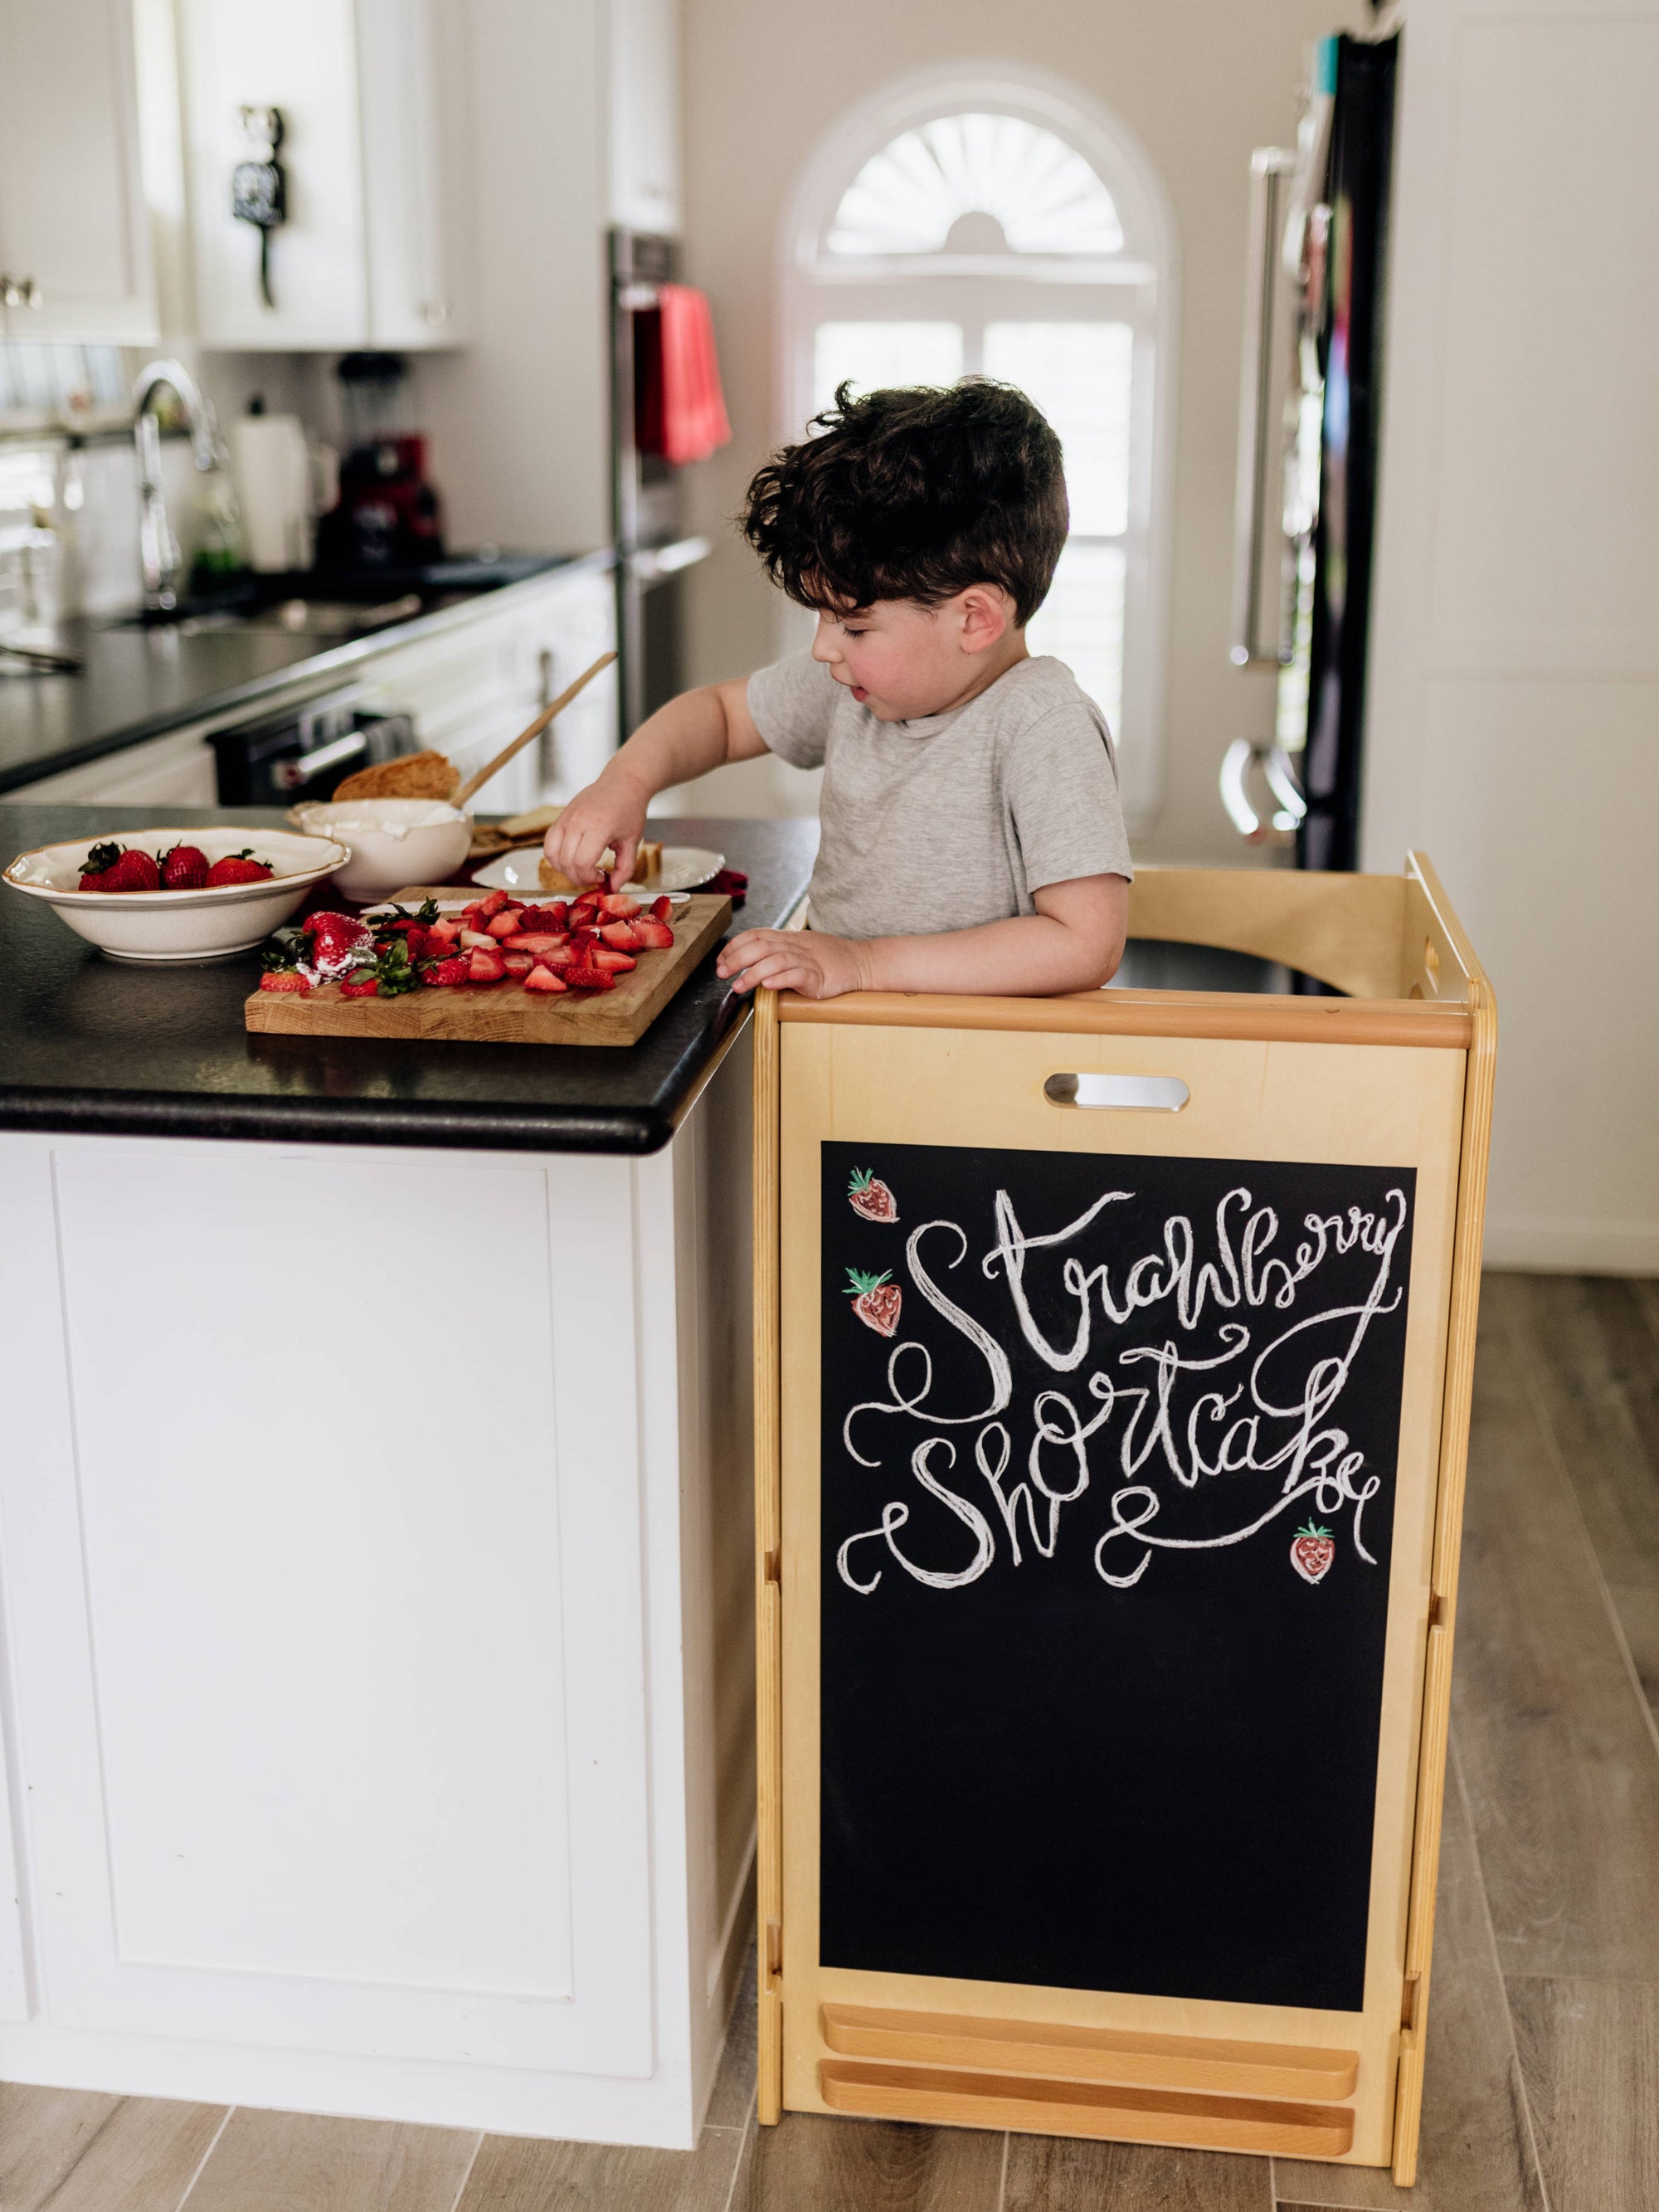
{"x":518,"y":421}
{"x":1200,"y":85}
{"x":1514,"y":727}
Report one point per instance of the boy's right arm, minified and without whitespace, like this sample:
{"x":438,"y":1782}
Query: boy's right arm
{"x":698,"y":731}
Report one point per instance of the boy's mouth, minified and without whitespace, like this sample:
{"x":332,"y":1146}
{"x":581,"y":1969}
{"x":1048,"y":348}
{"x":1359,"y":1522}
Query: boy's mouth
{"x":859,"y":693}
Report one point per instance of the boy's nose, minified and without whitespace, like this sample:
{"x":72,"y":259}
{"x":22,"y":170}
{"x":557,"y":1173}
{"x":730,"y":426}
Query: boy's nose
{"x":824,"y":647}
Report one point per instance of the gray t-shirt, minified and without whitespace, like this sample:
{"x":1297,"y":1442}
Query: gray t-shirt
{"x":952,"y":819}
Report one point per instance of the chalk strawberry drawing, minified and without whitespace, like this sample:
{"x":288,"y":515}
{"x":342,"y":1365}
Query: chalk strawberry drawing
{"x":1312,"y":1550}
{"x":871,"y":1197}
{"x":875,"y":1300}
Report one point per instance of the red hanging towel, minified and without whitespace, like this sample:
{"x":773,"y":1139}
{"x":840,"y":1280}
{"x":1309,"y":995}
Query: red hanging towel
{"x":679,"y":410}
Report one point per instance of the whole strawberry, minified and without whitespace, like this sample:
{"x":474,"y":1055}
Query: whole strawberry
{"x":871,"y":1197}
{"x":1312,"y":1550}
{"x":113,"y":868}
{"x":239,"y":868}
{"x":875,"y":1300}
{"x":184,"y":869}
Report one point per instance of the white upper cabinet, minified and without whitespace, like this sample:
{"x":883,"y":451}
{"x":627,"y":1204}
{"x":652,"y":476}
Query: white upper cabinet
{"x":645,"y":114}
{"x":74,"y":230}
{"x":373,"y":251}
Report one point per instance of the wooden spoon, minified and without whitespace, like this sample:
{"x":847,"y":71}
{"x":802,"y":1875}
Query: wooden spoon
{"x":474,"y":783}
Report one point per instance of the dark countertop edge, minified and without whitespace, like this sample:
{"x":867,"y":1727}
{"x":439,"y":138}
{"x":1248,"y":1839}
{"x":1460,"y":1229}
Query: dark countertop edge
{"x":631,"y":1132}
{"x":298,"y":675}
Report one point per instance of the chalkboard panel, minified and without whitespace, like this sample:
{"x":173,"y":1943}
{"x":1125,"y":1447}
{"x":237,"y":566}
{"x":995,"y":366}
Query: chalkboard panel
{"x":1108,"y":1450}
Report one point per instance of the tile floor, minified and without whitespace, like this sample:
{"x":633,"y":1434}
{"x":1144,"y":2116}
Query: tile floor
{"x":1543,"y":2074}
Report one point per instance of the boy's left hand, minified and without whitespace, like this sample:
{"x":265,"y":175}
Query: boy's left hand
{"x":803,"y":960}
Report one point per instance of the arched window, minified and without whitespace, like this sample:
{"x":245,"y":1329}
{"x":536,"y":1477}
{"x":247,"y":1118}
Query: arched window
{"x":987,"y":221}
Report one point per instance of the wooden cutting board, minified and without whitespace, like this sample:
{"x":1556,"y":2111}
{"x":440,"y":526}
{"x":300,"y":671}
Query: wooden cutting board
{"x":506,"y":1013}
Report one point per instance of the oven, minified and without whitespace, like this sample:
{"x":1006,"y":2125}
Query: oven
{"x":303,"y":752}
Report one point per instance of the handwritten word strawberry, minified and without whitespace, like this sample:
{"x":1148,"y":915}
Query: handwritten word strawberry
{"x":875,"y":1300}
{"x":1312,"y":1550}
{"x":871,"y":1196}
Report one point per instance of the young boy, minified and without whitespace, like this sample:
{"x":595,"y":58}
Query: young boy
{"x":972,"y":837}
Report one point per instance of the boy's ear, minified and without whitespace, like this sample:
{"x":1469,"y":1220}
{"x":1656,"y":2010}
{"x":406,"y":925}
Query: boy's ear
{"x":986,"y":615}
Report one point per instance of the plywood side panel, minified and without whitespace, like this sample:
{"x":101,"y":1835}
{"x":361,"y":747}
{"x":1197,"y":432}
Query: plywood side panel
{"x":1343,"y":929}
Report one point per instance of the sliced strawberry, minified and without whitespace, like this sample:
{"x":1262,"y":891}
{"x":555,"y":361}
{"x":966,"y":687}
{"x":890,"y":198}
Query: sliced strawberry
{"x":621,"y":936}
{"x":477,"y":940}
{"x":661,"y":908}
{"x":368,"y":988}
{"x":448,"y":931}
{"x":535,"y":940}
{"x":556,"y":955}
{"x":444,"y":972}
{"x":544,"y":917}
{"x":653,"y":936}
{"x":618,"y":905}
{"x":517,"y":963}
{"x":618,"y":964}
{"x":486,"y":967}
{"x":589,"y":979}
{"x":284,"y":979}
{"x":492,"y":906}
{"x":504,"y":924}
{"x":543,"y":979}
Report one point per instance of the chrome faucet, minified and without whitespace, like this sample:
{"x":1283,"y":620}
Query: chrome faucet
{"x":158,"y":549}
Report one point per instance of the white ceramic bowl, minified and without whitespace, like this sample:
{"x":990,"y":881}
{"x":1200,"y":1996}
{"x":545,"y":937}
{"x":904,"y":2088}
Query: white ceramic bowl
{"x":393,"y":841}
{"x":209,"y":924}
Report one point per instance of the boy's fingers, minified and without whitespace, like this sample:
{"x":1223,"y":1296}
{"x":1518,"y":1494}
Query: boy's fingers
{"x":777,"y":971}
{"x":626,"y":853}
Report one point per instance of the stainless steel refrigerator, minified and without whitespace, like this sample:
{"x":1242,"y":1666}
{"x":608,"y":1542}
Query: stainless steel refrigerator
{"x":1310,"y":421}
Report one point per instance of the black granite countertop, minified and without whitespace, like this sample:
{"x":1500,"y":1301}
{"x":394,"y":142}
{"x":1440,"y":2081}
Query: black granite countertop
{"x":97,"y":1046}
{"x":137,"y":683}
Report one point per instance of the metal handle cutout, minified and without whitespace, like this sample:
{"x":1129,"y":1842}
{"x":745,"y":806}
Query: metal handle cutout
{"x":1144,"y":1094}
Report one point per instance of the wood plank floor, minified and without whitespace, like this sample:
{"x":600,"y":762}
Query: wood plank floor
{"x":1543,"y":2074}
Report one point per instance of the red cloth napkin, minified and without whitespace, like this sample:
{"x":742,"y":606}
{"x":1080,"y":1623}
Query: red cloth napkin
{"x":679,"y":408}
{"x":732,"y":882}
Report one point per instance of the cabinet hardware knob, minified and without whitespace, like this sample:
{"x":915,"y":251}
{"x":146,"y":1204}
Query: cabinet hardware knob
{"x":19,"y":292}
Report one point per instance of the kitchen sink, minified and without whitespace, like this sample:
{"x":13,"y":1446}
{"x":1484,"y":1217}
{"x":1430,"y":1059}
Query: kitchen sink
{"x":303,"y":604}
{"x":295,"y":617}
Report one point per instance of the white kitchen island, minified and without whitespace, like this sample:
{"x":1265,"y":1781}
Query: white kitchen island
{"x":377,"y":1580}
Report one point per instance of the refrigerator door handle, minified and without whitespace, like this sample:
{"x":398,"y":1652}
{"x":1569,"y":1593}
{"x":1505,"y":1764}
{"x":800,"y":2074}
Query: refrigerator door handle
{"x":1256,"y":631}
{"x":1278,"y":772}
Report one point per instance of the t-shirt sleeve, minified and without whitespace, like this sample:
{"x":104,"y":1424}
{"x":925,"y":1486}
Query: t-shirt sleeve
{"x":1060,"y":783}
{"x":793,"y":703}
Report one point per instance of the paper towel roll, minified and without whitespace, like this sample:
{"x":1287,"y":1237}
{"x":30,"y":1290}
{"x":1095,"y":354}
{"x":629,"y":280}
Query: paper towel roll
{"x":270,"y":460}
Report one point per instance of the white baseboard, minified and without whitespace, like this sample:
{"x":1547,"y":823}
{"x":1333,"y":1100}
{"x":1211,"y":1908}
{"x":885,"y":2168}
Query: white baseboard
{"x":1554,"y":1245}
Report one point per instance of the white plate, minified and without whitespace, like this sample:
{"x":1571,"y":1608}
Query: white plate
{"x":683,"y":867}
{"x":209,"y":923}
{"x":462,"y":900}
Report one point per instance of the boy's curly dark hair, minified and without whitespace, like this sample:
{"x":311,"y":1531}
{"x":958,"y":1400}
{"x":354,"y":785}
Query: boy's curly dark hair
{"x":914,"y":495}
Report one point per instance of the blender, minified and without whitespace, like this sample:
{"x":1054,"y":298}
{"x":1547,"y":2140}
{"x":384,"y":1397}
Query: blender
{"x":388,"y":517}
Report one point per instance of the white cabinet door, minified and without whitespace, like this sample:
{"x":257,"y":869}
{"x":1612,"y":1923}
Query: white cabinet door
{"x":332,"y":1689}
{"x":72,"y":214}
{"x":180,"y":770}
{"x":472,"y":689}
{"x":301,"y":58}
{"x":375,"y":248}
{"x":645,"y":114}
{"x":412,"y":67}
